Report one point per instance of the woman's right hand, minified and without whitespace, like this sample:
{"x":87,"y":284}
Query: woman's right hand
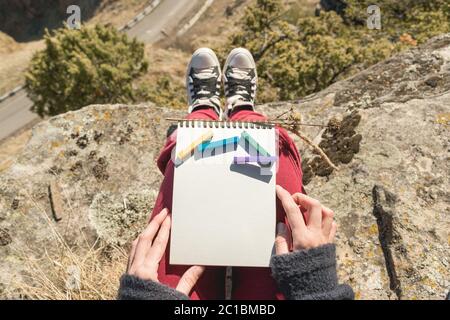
{"x":149,"y":248}
{"x":320,"y":228}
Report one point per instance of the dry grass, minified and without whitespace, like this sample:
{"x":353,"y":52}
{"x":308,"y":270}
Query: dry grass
{"x":170,"y":61}
{"x":73,"y":274}
{"x":118,"y":13}
{"x":92,"y":274}
{"x":88,"y":270}
{"x":70,"y":264}
{"x":14,"y":61}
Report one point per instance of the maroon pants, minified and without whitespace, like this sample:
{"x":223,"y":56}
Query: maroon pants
{"x":248,"y":283}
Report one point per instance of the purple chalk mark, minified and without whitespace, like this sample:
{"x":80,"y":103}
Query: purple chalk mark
{"x":260,"y":159}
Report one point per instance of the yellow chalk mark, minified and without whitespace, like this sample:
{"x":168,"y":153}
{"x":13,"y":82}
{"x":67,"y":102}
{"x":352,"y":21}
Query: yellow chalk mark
{"x":182,"y":155}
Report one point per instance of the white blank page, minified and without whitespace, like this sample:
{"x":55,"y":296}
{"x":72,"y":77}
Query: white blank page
{"x":223,"y":214}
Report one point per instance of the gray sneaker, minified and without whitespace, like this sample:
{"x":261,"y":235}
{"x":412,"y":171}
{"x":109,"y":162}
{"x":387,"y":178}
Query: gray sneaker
{"x":203,"y":80}
{"x":240,"y":80}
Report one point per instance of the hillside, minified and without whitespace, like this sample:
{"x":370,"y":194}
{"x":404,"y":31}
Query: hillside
{"x":26,"y":20}
{"x":7,"y":44}
{"x":390,"y":194}
{"x":15,"y":56}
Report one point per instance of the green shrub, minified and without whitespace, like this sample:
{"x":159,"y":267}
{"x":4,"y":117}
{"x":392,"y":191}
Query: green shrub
{"x":82,"y":67}
{"x":297,"y":58}
{"x":421,"y":19}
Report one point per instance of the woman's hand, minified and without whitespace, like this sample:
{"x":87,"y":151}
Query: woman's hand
{"x":148,"y":249}
{"x":318,"y":230}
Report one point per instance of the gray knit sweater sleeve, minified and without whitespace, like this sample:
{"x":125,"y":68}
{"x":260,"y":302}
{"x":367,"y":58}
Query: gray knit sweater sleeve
{"x":302,"y":275}
{"x":310,"y":275}
{"x":133,"y":288}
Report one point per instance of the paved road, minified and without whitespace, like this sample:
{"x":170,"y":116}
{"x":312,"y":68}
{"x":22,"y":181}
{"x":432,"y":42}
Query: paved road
{"x":165,"y":17}
{"x":14,"y":112}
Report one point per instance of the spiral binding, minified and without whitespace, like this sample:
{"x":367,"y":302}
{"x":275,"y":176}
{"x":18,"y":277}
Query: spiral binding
{"x":212,"y":124}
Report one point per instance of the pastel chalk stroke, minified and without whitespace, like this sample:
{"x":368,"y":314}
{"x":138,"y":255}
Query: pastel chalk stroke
{"x":188,"y":151}
{"x":254,"y":144}
{"x":255,"y":159}
{"x":210,"y":145}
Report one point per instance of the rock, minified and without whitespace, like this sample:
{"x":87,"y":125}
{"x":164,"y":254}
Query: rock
{"x":389,"y":249}
{"x":390,"y":195}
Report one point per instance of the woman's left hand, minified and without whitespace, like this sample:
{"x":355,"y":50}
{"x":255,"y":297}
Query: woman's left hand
{"x":320,"y":228}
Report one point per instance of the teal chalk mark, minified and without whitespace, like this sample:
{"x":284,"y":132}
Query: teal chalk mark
{"x":208,"y":145}
{"x":254,"y":144}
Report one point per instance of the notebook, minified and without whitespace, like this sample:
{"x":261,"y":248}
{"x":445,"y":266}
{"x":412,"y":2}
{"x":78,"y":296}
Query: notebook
{"x":224,"y":209}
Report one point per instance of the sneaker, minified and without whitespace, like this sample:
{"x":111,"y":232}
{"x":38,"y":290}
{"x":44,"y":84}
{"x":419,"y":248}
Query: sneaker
{"x":240,"y":80}
{"x":203,"y":80}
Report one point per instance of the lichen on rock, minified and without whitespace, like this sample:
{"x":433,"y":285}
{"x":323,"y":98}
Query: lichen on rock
{"x":117,"y":219}
{"x":5,"y":238}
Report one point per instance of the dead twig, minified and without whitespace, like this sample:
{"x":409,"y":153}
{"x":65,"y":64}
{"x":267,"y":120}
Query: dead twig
{"x":268,"y":122}
{"x":292,"y":124}
{"x":56,"y":201}
{"x":308,"y":141}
